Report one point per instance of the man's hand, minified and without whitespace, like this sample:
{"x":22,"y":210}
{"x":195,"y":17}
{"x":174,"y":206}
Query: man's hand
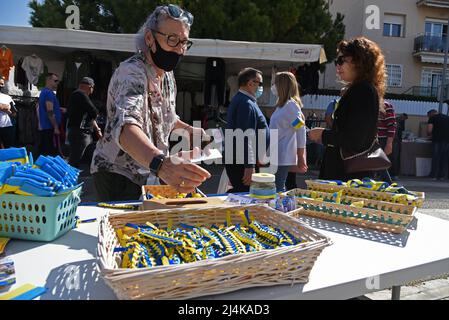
{"x":56,"y":131}
{"x":316,"y":135}
{"x":63,"y":110}
{"x":248,"y":176}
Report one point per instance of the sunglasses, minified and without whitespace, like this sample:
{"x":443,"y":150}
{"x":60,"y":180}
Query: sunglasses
{"x":259,"y":83}
{"x":177,"y":13}
{"x":340,"y":61}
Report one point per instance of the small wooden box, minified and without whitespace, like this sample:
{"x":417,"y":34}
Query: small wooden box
{"x":171,"y":202}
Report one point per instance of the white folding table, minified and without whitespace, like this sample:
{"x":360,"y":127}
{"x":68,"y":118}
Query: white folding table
{"x":359,"y":261}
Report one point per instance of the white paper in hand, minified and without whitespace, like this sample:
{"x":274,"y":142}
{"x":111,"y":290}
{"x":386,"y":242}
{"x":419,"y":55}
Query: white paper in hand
{"x":215,"y":154}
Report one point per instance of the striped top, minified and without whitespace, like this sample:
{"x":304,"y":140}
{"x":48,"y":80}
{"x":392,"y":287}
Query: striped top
{"x":386,"y":126}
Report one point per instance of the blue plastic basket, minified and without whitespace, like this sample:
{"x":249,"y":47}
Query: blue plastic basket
{"x":38,"y":218}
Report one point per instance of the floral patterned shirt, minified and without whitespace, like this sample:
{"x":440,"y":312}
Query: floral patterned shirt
{"x":135,"y":97}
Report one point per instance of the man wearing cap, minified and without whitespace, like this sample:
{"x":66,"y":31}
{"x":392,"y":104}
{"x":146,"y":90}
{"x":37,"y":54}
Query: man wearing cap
{"x":81,"y":121}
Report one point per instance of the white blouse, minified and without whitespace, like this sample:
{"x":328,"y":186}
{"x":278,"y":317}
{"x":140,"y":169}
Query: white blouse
{"x":289,"y":138}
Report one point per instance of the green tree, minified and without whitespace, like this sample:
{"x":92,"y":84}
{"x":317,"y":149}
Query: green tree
{"x":290,"y":21}
{"x":94,"y":15}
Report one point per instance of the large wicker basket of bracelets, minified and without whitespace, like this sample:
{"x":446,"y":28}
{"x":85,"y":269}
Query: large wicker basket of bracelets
{"x":188,"y":253}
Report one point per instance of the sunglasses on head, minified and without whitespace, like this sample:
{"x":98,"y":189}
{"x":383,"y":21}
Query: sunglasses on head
{"x":177,"y":13}
{"x":340,"y":60}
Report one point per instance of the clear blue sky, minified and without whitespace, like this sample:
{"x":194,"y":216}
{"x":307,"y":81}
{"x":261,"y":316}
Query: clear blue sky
{"x":14,"y":13}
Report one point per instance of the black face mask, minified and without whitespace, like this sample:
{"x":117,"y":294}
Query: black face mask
{"x":165,"y":60}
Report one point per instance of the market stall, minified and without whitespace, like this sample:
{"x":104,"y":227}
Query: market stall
{"x":205,"y":77}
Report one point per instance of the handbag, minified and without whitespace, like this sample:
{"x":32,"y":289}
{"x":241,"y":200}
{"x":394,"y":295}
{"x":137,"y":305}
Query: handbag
{"x":373,"y":159}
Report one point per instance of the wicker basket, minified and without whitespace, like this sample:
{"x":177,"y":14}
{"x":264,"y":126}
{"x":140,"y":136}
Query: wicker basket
{"x":286,"y":265}
{"x":363,"y":193}
{"x":368,"y":203}
{"x":361,"y":217}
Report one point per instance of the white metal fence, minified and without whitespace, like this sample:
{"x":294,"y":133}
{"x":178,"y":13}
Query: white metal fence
{"x":414,"y":108}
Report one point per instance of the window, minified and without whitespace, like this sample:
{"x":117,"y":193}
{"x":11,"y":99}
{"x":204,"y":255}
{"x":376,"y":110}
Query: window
{"x":394,"y":72}
{"x":392,"y":30}
{"x":394,"y":25}
{"x":431,"y":81}
{"x":436,"y":29}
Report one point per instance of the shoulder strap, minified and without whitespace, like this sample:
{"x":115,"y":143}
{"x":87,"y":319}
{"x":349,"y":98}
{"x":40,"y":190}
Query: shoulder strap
{"x":359,"y":154}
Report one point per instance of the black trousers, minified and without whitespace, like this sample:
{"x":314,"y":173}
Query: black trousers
{"x":290,"y":184}
{"x":396,"y":157}
{"x":47,"y":143}
{"x":384,"y":174}
{"x":235,"y":174}
{"x":79,"y":140}
{"x":7,"y":137}
{"x":115,"y":187}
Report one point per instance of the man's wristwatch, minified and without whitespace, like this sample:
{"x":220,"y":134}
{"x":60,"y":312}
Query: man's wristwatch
{"x":156,"y":164}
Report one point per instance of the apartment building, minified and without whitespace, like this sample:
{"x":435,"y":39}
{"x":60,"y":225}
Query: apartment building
{"x":412,"y":35}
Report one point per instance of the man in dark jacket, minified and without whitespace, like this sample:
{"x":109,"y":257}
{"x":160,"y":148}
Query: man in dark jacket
{"x":81,"y":121}
{"x":245,"y":114}
{"x":438,"y":129}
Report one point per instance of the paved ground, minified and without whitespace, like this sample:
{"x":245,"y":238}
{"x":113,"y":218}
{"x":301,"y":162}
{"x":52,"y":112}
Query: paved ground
{"x":436,"y":204}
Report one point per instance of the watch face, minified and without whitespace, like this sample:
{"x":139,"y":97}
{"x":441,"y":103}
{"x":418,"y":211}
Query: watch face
{"x":156,"y":164}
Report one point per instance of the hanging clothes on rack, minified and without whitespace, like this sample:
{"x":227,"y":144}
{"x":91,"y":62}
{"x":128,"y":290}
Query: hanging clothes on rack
{"x":43,"y":78}
{"x":308,"y":77}
{"x":77,"y":66}
{"x":214,"y":83}
{"x":27,"y":121}
{"x":20,"y":76}
{"x":34,"y":67}
{"x":6,"y":61}
{"x":314,"y":77}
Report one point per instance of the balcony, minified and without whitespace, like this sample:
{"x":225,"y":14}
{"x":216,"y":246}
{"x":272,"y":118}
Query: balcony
{"x":433,"y":3}
{"x":430,"y":49}
{"x":423,"y":91}
{"x":432,"y":92}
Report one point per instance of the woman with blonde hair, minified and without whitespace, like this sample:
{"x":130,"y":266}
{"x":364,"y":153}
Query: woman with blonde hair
{"x":288,"y":120}
{"x":361,"y":67}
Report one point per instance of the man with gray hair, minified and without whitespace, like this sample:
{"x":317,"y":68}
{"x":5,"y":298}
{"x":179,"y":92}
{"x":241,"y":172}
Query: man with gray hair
{"x":244,"y":114}
{"x":141,"y":114}
{"x":81,"y":121}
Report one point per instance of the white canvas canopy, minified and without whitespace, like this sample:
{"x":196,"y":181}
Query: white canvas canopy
{"x":54,"y":45}
{"x":89,"y":40}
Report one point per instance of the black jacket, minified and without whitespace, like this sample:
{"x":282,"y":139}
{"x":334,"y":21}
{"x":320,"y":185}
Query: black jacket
{"x":353,"y":130}
{"x":81,"y":111}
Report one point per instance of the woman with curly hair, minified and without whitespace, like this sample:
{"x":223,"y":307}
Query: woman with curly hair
{"x":361,"y":67}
